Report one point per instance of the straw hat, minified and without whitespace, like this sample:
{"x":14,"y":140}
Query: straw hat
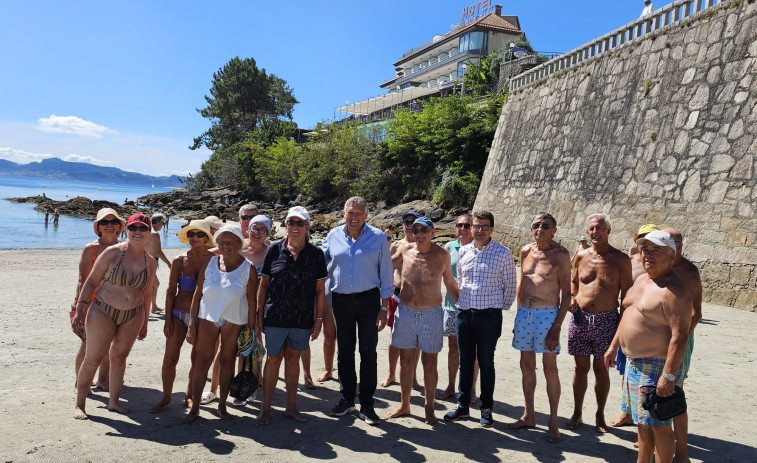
{"x":197,"y":225}
{"x":104,"y":212}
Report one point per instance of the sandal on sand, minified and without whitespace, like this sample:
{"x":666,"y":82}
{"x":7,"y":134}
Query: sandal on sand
{"x":207,"y":397}
{"x":238,"y":403}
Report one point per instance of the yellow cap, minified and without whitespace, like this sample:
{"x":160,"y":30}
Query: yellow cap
{"x":644,"y":229}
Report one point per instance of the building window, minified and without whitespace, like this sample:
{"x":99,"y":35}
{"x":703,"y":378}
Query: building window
{"x":473,"y":41}
{"x":462,"y":66}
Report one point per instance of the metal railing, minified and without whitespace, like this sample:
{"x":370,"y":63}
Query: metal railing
{"x":635,"y":30}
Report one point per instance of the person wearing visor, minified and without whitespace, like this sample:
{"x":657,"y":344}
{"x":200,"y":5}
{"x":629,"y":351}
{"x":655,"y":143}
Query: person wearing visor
{"x":118,"y":314}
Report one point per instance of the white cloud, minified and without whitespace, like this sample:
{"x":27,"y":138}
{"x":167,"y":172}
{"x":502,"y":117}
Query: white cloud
{"x":21,"y":156}
{"x":87,"y":159}
{"x":73,"y":125}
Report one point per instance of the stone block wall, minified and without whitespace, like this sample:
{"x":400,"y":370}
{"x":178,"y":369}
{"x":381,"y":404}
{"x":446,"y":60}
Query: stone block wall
{"x":662,"y":130}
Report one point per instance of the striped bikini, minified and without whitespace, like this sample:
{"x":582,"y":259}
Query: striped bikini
{"x":117,"y":277}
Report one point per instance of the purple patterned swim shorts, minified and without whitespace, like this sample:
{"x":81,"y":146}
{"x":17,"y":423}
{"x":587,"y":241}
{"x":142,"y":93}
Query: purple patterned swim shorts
{"x":591,"y":333}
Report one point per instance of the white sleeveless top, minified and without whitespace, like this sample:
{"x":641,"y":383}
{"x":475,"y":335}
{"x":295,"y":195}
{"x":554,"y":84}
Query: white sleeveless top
{"x":224,"y":294}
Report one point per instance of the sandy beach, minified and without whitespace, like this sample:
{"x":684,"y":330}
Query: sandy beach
{"x":37,"y":397}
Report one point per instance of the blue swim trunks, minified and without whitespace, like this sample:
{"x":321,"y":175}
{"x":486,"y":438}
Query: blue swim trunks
{"x":531,"y":328}
{"x":422,"y":328}
{"x":687,"y":355}
{"x":643,"y":372}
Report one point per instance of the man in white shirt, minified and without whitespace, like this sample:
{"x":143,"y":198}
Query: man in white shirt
{"x":648,"y":9}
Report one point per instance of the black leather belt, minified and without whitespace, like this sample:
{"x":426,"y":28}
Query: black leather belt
{"x":356,"y":295}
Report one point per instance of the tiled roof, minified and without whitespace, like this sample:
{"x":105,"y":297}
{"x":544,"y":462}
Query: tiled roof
{"x":490,"y":21}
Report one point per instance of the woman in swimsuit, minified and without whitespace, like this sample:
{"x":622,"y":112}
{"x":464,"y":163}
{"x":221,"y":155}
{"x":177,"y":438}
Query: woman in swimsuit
{"x":185,"y":271}
{"x":108,"y":226}
{"x":118,"y":315}
{"x":223,"y":303}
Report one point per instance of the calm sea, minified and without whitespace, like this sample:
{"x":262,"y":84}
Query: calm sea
{"x":23,"y":227}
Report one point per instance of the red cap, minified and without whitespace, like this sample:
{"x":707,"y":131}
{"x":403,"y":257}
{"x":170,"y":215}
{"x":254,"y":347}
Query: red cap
{"x":139,"y":218}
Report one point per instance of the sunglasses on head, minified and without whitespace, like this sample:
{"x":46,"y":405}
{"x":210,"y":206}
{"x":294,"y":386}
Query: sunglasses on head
{"x":199,"y":234}
{"x":142,"y":228}
{"x":296,"y":223}
{"x":106,"y":222}
{"x":543,"y":225}
{"x":246,"y":217}
{"x":420,"y":230}
{"x":463,"y":225}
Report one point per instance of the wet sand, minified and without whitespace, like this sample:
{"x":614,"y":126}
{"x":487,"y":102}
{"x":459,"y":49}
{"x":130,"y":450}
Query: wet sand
{"x":37,"y":351}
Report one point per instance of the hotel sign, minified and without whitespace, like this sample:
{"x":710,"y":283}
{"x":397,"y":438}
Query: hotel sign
{"x":475,"y":10}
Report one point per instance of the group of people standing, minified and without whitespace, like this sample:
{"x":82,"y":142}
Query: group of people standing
{"x":351,"y":287}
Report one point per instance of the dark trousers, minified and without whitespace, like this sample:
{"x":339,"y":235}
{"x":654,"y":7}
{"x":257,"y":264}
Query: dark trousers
{"x":359,"y":310}
{"x":477,"y":334}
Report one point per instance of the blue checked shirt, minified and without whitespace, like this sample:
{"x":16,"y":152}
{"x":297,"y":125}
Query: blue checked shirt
{"x":486,"y":278}
{"x":360,"y":265}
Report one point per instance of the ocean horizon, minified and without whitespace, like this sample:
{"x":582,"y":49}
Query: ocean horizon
{"x":25,"y":227}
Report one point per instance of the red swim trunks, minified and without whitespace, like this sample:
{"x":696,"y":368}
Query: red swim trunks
{"x":392,"y":306}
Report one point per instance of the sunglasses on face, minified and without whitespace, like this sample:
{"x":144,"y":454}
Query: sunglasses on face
{"x":543,"y":225}
{"x":420,"y":230}
{"x":296,"y":223}
{"x":106,"y":222}
{"x":199,"y":234}
{"x":259,"y":230}
{"x":142,"y":228}
{"x":246,"y":217}
{"x":408,"y":222}
{"x":463,"y":225}
{"x":482,"y":227}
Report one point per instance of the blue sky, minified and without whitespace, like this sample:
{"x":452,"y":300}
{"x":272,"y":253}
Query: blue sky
{"x":117,"y":83}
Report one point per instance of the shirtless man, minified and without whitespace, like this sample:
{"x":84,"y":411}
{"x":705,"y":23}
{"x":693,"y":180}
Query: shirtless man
{"x":653,"y":334}
{"x":419,"y":316}
{"x":543,"y":301}
{"x":637,"y":269}
{"x":395,"y":248}
{"x":154,"y":249}
{"x":601,"y":273}
{"x":689,"y":274}
{"x":583,"y":243}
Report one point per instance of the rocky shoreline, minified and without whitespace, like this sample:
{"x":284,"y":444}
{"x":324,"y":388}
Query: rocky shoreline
{"x":188,"y":204}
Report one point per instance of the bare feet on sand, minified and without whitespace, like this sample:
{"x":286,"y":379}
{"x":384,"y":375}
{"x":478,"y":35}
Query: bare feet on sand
{"x":400,"y":411}
{"x":265,"y":416}
{"x":309,"y":382}
{"x":623,"y":420}
{"x":430,"y":415}
{"x":102,"y":385}
{"x":600,"y":425}
{"x":522,"y":423}
{"x":445,"y":394}
{"x":193,"y":414}
{"x":295,"y":415}
{"x":553,"y":434}
{"x":161,"y":404}
{"x":118,"y":408}
{"x":417,"y":386}
{"x":574,"y":422}
{"x":223,"y":414}
{"x":388,"y":381}
{"x":79,"y":414}
{"x":325,"y":376}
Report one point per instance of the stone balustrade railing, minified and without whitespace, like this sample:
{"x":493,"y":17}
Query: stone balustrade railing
{"x":633,"y":31}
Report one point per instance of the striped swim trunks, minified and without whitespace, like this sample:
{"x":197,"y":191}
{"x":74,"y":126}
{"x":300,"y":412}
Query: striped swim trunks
{"x":418,"y":327}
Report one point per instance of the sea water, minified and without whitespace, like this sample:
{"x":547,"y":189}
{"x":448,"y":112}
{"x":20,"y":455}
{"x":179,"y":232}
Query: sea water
{"x":24,"y":227}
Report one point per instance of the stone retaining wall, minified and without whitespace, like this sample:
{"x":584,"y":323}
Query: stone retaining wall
{"x":663,"y":130}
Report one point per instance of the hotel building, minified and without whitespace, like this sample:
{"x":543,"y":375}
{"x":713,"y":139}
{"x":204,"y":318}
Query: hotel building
{"x":436,"y":68}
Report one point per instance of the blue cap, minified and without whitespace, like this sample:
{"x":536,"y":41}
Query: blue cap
{"x":413,"y":213}
{"x":425,"y":221}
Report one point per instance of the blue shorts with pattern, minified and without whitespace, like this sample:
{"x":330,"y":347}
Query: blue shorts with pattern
{"x":418,"y":327}
{"x":531,"y":328}
{"x":643,"y":372}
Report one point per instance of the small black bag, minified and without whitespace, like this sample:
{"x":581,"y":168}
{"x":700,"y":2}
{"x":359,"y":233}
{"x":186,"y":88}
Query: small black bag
{"x":663,"y":408}
{"x":245,"y":383}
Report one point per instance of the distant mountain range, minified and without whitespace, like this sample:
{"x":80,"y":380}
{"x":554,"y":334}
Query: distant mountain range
{"x":58,"y":168}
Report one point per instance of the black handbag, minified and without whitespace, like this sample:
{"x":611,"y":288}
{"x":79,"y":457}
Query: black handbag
{"x":245,"y":383}
{"x":663,"y":408}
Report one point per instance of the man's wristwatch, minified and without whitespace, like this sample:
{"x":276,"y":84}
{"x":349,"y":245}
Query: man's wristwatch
{"x":669,"y":376}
